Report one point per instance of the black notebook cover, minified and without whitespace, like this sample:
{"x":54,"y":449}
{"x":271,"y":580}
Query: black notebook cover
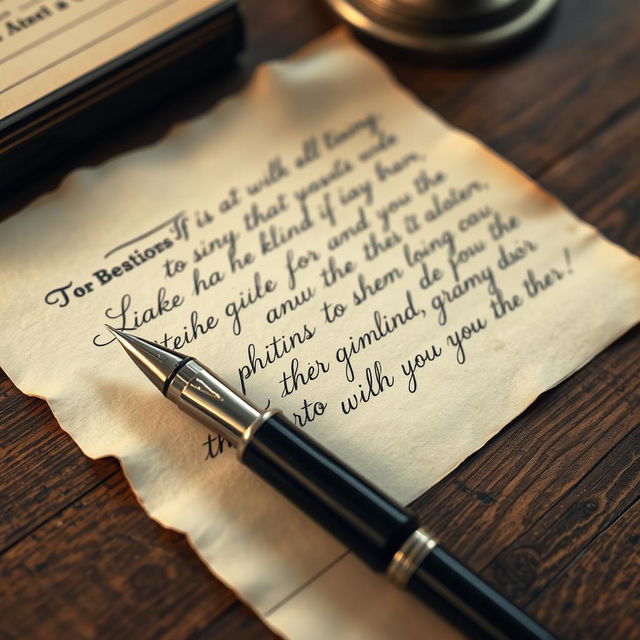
{"x":155,"y":50}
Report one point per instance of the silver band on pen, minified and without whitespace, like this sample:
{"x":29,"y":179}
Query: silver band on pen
{"x":409,"y":557}
{"x":250,"y":431}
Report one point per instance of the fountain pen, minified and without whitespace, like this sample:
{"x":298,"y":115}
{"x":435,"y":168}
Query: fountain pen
{"x":382,"y":532}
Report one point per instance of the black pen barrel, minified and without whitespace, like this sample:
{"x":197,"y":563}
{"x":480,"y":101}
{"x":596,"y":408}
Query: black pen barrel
{"x":366,"y":520}
{"x":442,"y":573}
{"x":377,"y":528}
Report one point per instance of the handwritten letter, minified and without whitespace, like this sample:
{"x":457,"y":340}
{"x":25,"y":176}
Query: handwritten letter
{"x":332,"y":248}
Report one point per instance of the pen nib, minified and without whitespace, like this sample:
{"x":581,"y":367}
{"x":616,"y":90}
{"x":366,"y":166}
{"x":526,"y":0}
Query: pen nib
{"x":155,"y":361}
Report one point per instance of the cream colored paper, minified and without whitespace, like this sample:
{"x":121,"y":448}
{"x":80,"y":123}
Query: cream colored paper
{"x":46,"y":45}
{"x":328,"y":128}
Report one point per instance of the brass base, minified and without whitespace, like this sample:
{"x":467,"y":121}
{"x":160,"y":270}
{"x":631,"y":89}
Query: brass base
{"x":455,"y":28}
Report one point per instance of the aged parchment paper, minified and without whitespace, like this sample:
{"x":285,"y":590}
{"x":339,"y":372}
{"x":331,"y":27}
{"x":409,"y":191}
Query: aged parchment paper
{"x":332,"y":246}
{"x":44,"y":46}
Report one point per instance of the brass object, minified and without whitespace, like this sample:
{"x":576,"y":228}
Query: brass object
{"x":445,"y":27}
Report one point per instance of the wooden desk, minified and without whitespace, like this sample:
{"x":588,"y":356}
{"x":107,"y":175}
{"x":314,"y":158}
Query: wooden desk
{"x":547,"y":511}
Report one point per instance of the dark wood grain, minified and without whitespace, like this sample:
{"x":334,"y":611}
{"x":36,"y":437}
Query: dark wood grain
{"x":598,"y":596}
{"x":547,"y":511}
{"x":533,"y":560}
{"x":42,"y":470}
{"x":102,"y":568}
